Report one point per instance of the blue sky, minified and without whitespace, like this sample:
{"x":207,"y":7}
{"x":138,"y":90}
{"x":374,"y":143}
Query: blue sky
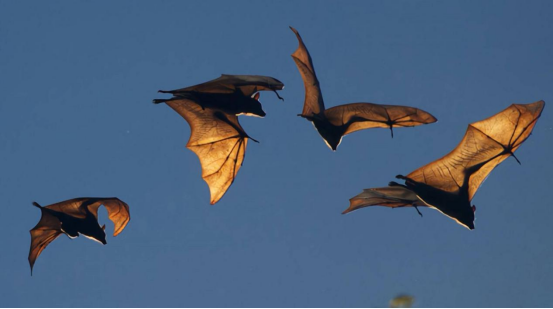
{"x":76,"y":119}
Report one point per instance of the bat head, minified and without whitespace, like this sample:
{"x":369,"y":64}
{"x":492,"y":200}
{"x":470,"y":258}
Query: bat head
{"x":453,"y":205}
{"x":102,"y":235}
{"x":331,"y":135}
{"x":97,"y":233}
{"x":463,"y":215}
{"x":250,"y":106}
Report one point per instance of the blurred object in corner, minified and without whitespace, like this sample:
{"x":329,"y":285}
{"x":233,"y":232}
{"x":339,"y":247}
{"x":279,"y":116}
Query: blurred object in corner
{"x":402,"y":301}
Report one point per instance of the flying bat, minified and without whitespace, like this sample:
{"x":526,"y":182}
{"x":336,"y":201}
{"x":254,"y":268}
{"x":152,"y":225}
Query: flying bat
{"x":211,"y":110}
{"x":449,"y":184}
{"x":333,"y":123}
{"x":74,"y":217}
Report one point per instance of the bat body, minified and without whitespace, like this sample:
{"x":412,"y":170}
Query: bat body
{"x":333,"y":123}
{"x":449,"y":184}
{"x":217,"y":138}
{"x":74,"y":217}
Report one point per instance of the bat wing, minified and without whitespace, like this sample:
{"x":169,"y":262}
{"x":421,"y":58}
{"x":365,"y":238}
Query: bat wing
{"x":396,"y":196}
{"x":313,"y":104}
{"x":118,"y":211}
{"x":219,"y":142}
{"x":72,"y":207}
{"x":359,"y":116}
{"x":47,"y":229}
{"x":248,"y":84}
{"x":486,"y":144}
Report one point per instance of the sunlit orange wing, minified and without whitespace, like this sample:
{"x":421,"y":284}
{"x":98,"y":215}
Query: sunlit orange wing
{"x":47,"y":229}
{"x":313,"y":104}
{"x":486,"y":144}
{"x":359,"y":116}
{"x":219,"y":142}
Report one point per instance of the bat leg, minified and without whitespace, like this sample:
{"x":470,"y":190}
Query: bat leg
{"x":278,"y":95}
{"x":392,"y":130}
{"x":401,"y":177}
{"x":157,"y":101}
{"x":417,"y":209}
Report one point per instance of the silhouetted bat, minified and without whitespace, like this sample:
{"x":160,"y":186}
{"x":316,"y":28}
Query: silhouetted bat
{"x":216,"y":135}
{"x":338,"y":121}
{"x":74,"y":217}
{"x":449,"y":184}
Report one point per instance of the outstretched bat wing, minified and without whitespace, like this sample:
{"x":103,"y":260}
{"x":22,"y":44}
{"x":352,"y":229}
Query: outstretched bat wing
{"x":219,"y":142}
{"x":359,"y":116}
{"x":118,"y":211}
{"x":313,"y":104}
{"x":72,"y":207}
{"x":47,"y":229}
{"x":396,"y":196}
{"x":486,"y":144}
{"x":247,"y":84}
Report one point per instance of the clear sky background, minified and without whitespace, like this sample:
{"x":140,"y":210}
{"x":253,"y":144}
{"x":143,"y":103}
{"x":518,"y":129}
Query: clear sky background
{"x":76,"y":119}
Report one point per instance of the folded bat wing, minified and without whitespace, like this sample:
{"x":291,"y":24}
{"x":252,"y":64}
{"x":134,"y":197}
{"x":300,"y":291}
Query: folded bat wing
{"x":248,"y":84}
{"x":219,"y":142}
{"x":313,"y":104}
{"x":486,"y":144}
{"x":359,"y":116}
{"x":392,"y":197}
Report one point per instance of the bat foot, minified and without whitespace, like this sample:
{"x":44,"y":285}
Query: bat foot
{"x":278,"y":96}
{"x":157,"y":101}
{"x":417,"y":209}
{"x":401,"y":177}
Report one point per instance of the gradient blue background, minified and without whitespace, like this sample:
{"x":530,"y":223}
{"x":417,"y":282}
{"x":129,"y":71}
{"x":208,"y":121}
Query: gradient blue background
{"x":76,"y":119}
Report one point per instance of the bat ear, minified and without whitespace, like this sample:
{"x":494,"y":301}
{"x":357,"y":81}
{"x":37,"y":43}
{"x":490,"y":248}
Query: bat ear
{"x":473,"y":208}
{"x":255,"y":96}
{"x":104,"y":227}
